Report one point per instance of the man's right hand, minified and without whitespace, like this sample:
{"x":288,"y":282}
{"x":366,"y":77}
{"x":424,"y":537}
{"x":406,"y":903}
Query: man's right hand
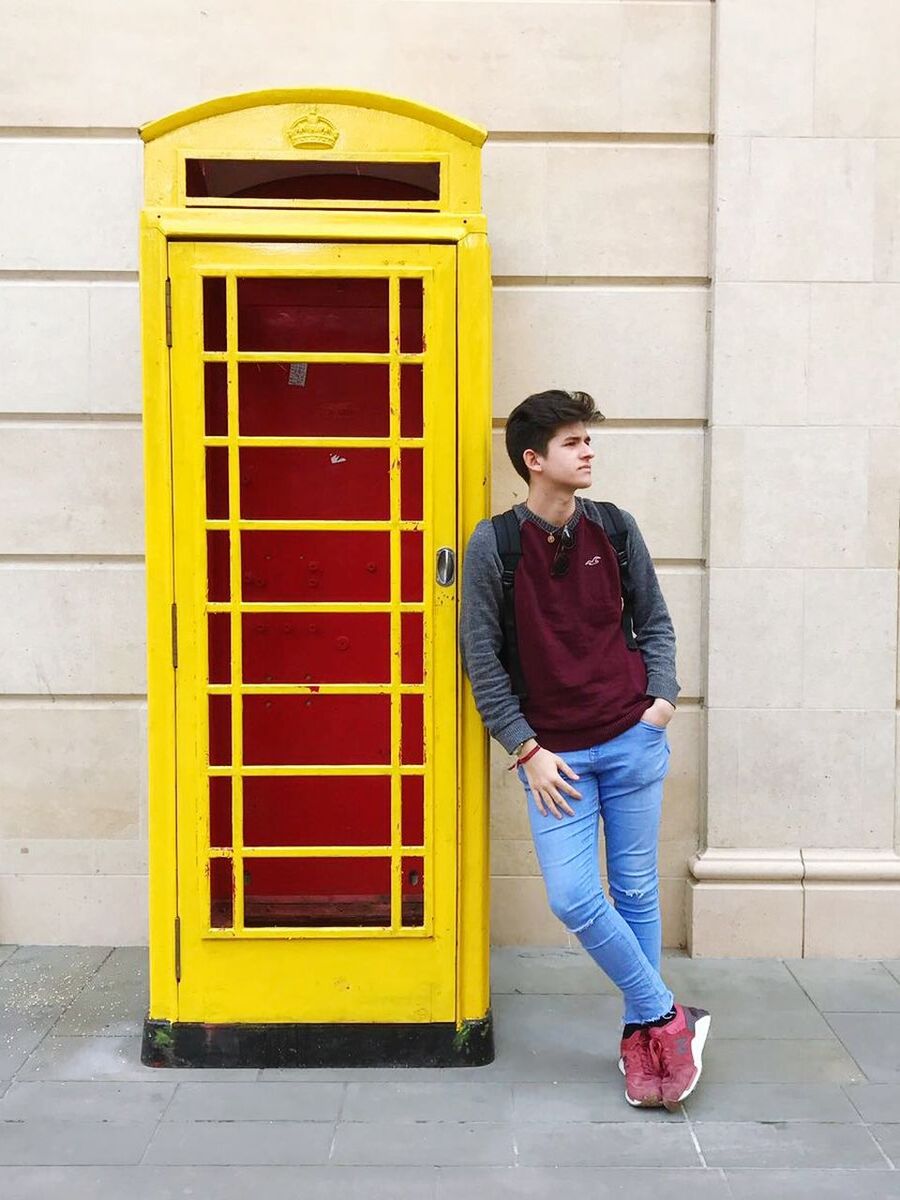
{"x":543,"y":773}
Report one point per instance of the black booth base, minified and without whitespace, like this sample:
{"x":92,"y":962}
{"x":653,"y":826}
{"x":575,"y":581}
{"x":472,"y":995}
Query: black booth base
{"x":186,"y":1044}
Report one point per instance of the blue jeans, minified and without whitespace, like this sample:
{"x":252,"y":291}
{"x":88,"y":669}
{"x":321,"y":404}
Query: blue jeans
{"x":621,"y":781}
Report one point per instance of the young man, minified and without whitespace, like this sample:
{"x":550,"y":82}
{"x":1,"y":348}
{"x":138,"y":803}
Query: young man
{"x":595,"y":715}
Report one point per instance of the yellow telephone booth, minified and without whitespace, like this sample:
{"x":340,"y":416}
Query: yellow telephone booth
{"x":316,"y":313}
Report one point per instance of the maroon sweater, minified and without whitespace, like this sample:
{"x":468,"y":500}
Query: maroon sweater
{"x":584,"y":685}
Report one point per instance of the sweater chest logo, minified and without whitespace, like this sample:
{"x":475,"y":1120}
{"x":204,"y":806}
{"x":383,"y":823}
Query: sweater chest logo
{"x":592,"y":562}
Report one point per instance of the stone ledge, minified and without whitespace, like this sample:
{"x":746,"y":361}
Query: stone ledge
{"x":726,"y":865}
{"x":722,"y":864}
{"x":851,"y":866}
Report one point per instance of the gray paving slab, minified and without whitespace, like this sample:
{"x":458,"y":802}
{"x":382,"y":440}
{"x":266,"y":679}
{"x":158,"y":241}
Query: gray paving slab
{"x":847,"y":986}
{"x":787,"y":1144}
{"x":892,"y":965}
{"x":580,"y":1183}
{"x":719,"y":983}
{"x":804,"y":1021}
{"x":600,"y":1100}
{"x":450,"y":1099}
{"x":731,"y":989}
{"x":556,"y":1037}
{"x":371,"y":1074}
{"x":770,"y":1102}
{"x":241,"y":1143}
{"x":875,"y":1101}
{"x":234,"y":1100}
{"x":38,"y":981}
{"x":557,"y":1059}
{"x":19,"y":1038}
{"x":888,"y":1138}
{"x":519,"y":1015}
{"x":6,"y":952}
{"x":799,"y":1184}
{"x":788,"y":1083}
{"x":54,"y":1142}
{"x":546,"y":972}
{"x":91,"y":1102}
{"x":584,"y":1144}
{"x":117,"y":1058}
{"x":114,"y":1001}
{"x":874,"y":1041}
{"x":433,"y":1143}
{"x":150,"y":1182}
{"x":742,"y":1060}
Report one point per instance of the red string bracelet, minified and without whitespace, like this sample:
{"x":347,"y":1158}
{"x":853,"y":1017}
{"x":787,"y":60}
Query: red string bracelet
{"x":524,"y":759}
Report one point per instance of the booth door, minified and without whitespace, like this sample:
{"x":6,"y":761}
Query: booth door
{"x":314,"y":485}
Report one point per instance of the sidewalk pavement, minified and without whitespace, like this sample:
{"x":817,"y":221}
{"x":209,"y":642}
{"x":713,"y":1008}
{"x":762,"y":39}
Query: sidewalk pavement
{"x":800,"y":1095}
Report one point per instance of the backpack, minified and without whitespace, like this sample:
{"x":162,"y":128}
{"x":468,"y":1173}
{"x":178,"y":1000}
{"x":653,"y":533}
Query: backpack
{"x":509,"y":545}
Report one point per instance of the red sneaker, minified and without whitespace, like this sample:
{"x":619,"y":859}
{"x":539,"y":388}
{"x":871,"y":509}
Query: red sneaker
{"x":641,"y":1066}
{"x":679,"y":1046}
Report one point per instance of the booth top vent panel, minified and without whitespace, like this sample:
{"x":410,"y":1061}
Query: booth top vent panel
{"x":313,"y":149}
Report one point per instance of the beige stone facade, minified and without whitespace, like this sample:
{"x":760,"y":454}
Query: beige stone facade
{"x":694,"y":215}
{"x":804,"y":454}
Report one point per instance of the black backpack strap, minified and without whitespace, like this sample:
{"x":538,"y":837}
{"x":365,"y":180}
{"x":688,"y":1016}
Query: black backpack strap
{"x":509,"y":546}
{"x":617,"y":532}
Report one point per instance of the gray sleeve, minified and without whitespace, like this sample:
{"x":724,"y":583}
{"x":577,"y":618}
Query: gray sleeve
{"x":653,"y":627}
{"x":481,"y":637}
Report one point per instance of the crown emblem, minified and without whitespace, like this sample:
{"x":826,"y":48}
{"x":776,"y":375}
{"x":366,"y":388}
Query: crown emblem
{"x":312,"y":129}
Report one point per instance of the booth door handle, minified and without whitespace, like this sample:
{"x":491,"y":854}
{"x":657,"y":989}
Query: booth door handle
{"x":446,"y":566}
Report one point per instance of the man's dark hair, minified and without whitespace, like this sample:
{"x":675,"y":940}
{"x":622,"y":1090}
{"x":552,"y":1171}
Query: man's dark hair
{"x":533,"y":423}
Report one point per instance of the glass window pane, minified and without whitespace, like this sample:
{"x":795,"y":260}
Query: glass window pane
{"x":411,"y":643}
{"x":221,"y":893}
{"x":413,"y":809}
{"x":220,"y":731}
{"x":220,"y":811}
{"x":218,"y":567}
{"x":302,"y":730}
{"x":412,"y":905}
{"x":317,"y":565}
{"x":412,"y":736}
{"x":343,"y":484}
{"x":317,"y":647}
{"x":217,"y":483}
{"x":317,"y":891}
{"x":215,"y":386}
{"x":410,"y":316}
{"x":219,"y":647}
{"x":314,"y":399}
{"x":411,"y":424}
{"x":410,"y":485}
{"x":313,"y":314}
{"x":311,"y":179}
{"x":309,"y":810}
{"x":411,"y":579}
{"x":214,"y":312}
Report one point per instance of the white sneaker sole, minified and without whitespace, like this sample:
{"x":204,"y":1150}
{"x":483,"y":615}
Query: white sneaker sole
{"x":701,"y":1033}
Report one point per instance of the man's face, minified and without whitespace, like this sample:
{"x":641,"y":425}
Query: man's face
{"x":569,"y":457}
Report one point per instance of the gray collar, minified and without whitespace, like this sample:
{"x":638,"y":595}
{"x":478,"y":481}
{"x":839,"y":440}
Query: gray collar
{"x":522,"y":511}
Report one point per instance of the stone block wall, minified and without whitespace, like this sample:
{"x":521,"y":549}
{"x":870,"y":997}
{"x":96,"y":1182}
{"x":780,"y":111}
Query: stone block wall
{"x":596,"y":186}
{"x":694,"y":216}
{"x":804,"y":485}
